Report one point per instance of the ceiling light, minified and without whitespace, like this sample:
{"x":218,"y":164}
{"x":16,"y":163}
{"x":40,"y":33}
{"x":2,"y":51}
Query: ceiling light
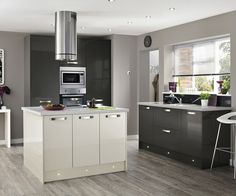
{"x":109,"y":29}
{"x":172,"y":8}
{"x":148,"y":17}
{"x":130,"y":22}
{"x":83,"y":27}
{"x":111,"y":0}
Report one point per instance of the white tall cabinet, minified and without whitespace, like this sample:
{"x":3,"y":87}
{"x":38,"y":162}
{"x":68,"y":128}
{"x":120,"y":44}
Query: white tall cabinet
{"x":74,"y":142}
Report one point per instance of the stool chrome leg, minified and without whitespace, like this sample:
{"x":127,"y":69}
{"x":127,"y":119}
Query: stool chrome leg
{"x":234,"y":150}
{"x":217,"y":138}
{"x":234,"y":172}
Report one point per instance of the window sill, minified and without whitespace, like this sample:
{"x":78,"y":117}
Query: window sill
{"x":198,"y":93}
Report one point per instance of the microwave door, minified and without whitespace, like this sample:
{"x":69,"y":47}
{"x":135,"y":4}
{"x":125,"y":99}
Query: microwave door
{"x":71,"y":78}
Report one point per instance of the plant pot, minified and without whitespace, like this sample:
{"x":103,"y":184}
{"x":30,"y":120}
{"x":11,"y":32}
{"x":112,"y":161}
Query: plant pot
{"x":204,"y":102}
{"x":224,"y":91}
{"x":1,"y":101}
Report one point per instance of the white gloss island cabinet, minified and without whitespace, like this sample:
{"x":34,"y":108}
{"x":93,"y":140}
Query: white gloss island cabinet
{"x":86,"y":140}
{"x":112,"y":137}
{"x":74,"y":142}
{"x":57,"y":137}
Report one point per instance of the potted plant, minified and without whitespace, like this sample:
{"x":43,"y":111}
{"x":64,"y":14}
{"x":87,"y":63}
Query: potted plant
{"x":204,"y":99}
{"x":225,"y":86}
{"x":3,"y":89}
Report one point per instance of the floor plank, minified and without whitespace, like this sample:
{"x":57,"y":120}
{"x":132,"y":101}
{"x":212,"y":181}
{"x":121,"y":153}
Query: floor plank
{"x":148,"y":175}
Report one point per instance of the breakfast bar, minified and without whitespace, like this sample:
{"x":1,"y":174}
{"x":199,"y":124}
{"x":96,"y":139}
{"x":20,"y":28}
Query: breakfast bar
{"x":74,"y":142}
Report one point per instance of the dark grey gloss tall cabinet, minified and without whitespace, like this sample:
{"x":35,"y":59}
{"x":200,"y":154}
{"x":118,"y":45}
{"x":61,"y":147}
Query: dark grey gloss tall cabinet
{"x":98,"y":67}
{"x":42,"y":71}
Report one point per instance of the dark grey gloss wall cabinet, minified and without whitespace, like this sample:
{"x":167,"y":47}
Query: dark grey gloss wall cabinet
{"x":184,"y":135}
{"x":42,"y":71}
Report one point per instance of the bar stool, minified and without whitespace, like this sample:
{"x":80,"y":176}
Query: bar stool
{"x":225,"y":119}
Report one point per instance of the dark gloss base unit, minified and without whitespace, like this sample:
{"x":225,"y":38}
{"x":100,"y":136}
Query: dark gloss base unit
{"x":183,"y":135}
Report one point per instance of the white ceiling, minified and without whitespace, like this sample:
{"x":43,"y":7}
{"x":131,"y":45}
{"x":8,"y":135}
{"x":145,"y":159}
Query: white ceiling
{"x":37,"y":16}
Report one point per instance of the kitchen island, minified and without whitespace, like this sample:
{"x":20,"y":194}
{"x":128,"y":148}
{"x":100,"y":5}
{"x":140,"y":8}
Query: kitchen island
{"x":185,"y":132}
{"x":74,"y":142}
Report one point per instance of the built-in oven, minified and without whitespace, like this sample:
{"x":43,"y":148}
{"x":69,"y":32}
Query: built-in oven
{"x":72,"y":80}
{"x":72,"y":100}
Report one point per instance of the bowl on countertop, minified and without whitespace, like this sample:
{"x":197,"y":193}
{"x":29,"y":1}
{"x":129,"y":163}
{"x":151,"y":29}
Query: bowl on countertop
{"x":54,"y":107}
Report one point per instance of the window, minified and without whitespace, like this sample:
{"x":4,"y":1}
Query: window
{"x":199,"y":65}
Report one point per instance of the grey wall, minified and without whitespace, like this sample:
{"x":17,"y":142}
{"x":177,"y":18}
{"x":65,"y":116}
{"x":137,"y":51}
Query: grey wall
{"x":163,"y":39}
{"x":124,"y":86}
{"x":143,"y":75}
{"x":13,"y":44}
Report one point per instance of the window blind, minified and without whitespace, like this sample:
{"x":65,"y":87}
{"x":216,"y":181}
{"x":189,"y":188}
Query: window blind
{"x":202,"y":58}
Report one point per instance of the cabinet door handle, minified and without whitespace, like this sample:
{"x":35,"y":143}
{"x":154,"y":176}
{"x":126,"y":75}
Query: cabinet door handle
{"x":191,"y":113}
{"x":147,"y":108}
{"x":166,"y":131}
{"x":58,"y":118}
{"x":167,"y":110}
{"x":86,"y":117}
{"x":113,"y":116}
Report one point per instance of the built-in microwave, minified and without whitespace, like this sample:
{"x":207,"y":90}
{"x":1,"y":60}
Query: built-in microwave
{"x":72,"y":80}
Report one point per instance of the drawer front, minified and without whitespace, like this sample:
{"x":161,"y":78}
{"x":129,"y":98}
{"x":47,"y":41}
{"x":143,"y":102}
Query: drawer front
{"x":144,"y":107}
{"x":168,"y":118}
{"x":167,"y":138}
{"x":191,"y":160}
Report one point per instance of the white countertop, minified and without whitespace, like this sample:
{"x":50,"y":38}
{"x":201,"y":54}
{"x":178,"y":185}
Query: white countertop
{"x":4,"y":110}
{"x":73,"y":110}
{"x":185,"y":106}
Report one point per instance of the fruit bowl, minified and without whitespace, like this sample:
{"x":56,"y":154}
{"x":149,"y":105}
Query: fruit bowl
{"x":54,"y":107}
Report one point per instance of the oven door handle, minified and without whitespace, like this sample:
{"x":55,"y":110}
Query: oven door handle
{"x":72,"y":95}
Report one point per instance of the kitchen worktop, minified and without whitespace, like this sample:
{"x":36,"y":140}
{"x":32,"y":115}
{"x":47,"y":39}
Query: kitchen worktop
{"x":73,"y":110}
{"x":183,"y":106}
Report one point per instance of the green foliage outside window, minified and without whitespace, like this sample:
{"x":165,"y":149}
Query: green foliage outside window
{"x":203,"y":84}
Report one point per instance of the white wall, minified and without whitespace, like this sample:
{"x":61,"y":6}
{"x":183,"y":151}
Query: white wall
{"x":163,"y":39}
{"x":124,"y":86}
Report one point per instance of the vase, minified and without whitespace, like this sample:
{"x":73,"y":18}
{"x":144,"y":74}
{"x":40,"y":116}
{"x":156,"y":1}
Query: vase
{"x":204,"y":102}
{"x":1,"y":101}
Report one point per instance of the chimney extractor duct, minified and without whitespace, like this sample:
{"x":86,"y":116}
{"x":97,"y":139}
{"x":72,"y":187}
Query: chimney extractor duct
{"x":66,"y":37}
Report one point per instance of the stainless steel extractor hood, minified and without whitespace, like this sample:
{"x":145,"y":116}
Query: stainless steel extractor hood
{"x":66,"y":37}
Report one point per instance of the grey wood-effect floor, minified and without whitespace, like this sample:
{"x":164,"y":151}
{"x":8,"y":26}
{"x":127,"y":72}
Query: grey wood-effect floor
{"x":148,"y":174}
